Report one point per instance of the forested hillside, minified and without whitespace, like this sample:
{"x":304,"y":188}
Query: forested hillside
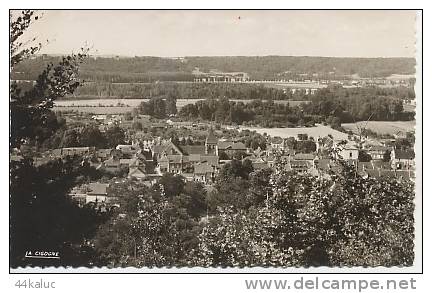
{"x":151,"y":69}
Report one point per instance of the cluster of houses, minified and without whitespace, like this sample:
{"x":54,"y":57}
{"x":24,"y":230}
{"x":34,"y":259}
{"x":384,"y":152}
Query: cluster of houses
{"x":384,"y":161}
{"x":150,"y":159}
{"x":147,"y":158}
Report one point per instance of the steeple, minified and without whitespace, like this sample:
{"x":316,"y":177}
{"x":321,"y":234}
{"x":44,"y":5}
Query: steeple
{"x":210,"y":142}
{"x":211,"y":137}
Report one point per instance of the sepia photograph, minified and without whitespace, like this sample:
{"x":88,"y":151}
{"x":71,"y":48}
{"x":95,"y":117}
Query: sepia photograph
{"x":214,"y":139}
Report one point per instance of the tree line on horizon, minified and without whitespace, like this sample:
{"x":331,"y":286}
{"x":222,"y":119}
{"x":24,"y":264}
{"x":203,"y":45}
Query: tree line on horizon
{"x":151,"y":69}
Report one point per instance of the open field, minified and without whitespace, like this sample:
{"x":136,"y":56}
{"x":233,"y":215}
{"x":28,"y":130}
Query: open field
{"x":382,"y":127}
{"x":318,"y":131}
{"x":409,"y":108}
{"x":95,"y":109}
{"x":114,"y":102}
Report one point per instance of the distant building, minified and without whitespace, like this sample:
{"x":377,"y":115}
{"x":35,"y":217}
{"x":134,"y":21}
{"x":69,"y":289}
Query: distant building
{"x":299,"y":166}
{"x":277,"y":143}
{"x":72,"y":151}
{"x":349,"y":151}
{"x":403,"y":159}
{"x":127,"y":149}
{"x":377,"y":152}
{"x":94,"y":192}
{"x":97,"y":192}
{"x":189,"y":161}
{"x":211,"y":143}
{"x":219,"y":76}
{"x":204,"y":172}
{"x":137,"y":172}
{"x":230,"y":147}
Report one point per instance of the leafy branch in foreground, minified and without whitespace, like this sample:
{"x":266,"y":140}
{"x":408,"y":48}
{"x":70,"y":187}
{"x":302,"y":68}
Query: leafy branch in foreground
{"x":20,"y":50}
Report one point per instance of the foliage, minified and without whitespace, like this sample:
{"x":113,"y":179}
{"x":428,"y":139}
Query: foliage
{"x":87,"y":135}
{"x":128,"y":70}
{"x":243,"y":239}
{"x":387,"y":156}
{"x":331,"y":106}
{"x":364,"y":156}
{"x":375,"y":223}
{"x":44,"y":218}
{"x":31,"y":118}
{"x":149,"y":229}
{"x":173,"y":184}
{"x":342,"y":221}
{"x":114,"y":136}
{"x":91,"y":136}
{"x":21,"y":50}
{"x":42,"y":215}
{"x":158,"y":107}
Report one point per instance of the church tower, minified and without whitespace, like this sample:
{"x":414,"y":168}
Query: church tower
{"x":211,"y":143}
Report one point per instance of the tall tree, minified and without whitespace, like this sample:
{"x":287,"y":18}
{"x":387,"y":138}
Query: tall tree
{"x":42,"y":215}
{"x":92,"y":136}
{"x":31,"y":117}
{"x":115,"y":136}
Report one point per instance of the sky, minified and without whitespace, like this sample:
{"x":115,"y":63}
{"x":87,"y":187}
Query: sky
{"x":228,"y":33}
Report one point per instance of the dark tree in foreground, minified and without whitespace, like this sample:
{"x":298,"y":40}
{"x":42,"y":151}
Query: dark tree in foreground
{"x":31,"y":117}
{"x":310,"y":221}
{"x":114,"y":136}
{"x":150,"y":228}
{"x":42,"y":216}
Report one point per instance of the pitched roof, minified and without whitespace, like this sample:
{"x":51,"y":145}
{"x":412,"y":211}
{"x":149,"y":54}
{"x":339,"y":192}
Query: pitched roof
{"x":159,"y":149}
{"x":194,"y":158}
{"x":257,"y":160}
{"x":381,"y":164}
{"x":301,"y":156}
{"x":365,"y":166}
{"x":202,"y":168}
{"x":276,"y":140}
{"x":97,"y":188}
{"x":259,"y":165}
{"x":300,"y":164}
{"x":135,"y":161}
{"x":126,"y":148}
{"x":324,"y":164}
{"x":111,"y":163}
{"x":326,"y":140}
{"x":378,"y":148}
{"x":187,"y":175}
{"x":223,"y":145}
{"x":212,"y":160}
{"x":137,"y":172}
{"x":125,"y":161}
{"x":78,"y":149}
{"x":405,"y":174}
{"x":211,"y":138}
{"x":193,"y":149}
{"x":40,"y":161}
{"x":56,"y":152}
{"x":404,"y":154}
{"x":175,"y":158}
